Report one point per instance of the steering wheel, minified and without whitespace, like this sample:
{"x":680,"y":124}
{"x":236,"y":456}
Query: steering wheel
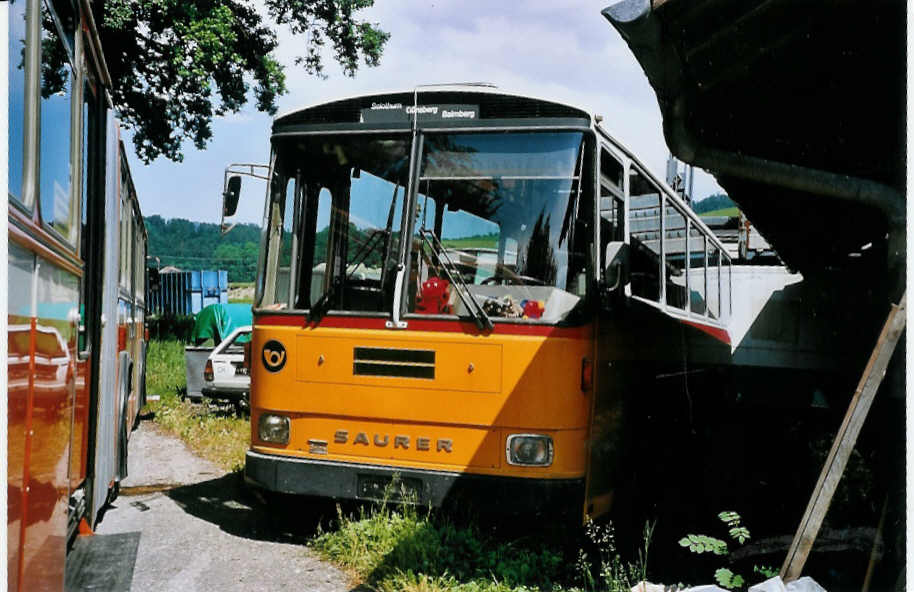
{"x":513,"y":280}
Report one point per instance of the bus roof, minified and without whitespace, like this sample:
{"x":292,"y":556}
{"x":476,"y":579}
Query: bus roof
{"x":487,"y":101}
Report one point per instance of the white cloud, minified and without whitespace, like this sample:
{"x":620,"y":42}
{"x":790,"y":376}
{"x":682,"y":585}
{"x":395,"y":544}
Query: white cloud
{"x":562,"y":51}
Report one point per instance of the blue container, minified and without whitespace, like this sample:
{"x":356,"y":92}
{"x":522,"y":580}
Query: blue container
{"x":186,"y":292}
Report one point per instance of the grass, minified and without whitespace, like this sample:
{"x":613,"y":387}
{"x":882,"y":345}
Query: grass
{"x":165,"y":367}
{"x":469,"y":242}
{"x":403,"y":548}
{"x":730,"y":212}
{"x":214,"y":433}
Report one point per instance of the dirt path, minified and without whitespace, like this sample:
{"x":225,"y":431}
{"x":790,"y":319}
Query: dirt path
{"x":201,"y":529}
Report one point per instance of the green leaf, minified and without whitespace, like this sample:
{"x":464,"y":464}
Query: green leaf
{"x":699,"y":543}
{"x":176,"y":65}
{"x":740,"y":533}
{"x":768,"y":572}
{"x":724,"y":577}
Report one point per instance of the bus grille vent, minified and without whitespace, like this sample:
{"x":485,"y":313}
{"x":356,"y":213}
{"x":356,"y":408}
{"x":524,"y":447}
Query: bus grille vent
{"x":401,"y":363}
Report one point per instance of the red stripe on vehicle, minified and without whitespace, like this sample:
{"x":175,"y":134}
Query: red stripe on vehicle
{"x":716,"y":332}
{"x":439,"y":325}
{"x":27,"y":453}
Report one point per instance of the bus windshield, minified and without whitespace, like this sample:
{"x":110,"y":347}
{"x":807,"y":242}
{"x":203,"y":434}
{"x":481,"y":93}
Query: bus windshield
{"x":499,"y":223}
{"x":333,"y":221}
{"x":512,"y":223}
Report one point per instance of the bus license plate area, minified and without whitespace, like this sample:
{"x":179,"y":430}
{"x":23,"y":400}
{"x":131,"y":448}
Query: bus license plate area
{"x":378,"y":488}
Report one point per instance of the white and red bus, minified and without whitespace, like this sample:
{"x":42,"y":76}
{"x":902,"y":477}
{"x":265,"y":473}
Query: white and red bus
{"x":77,"y":248}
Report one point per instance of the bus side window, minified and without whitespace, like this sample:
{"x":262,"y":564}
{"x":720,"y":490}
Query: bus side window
{"x":16,"y":110}
{"x":674,"y":243}
{"x":697,"y":267}
{"x":315,"y":229}
{"x":56,"y":199}
{"x":122,"y":220}
{"x":281,"y":243}
{"x":644,"y":229}
{"x":610,"y":171}
{"x":713,"y":275}
{"x":612,"y":202}
{"x":725,"y":288}
{"x":286,"y":251}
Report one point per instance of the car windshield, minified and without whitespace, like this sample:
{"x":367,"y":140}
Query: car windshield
{"x":510,"y":213}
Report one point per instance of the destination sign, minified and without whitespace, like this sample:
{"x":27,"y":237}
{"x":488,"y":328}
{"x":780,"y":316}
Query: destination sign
{"x":400,"y":113}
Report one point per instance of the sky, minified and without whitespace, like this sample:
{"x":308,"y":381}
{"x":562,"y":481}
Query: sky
{"x":563,"y":51}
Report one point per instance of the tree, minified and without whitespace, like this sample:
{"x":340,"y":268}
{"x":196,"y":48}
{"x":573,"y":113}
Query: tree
{"x":199,"y":245}
{"x":718,"y":201}
{"x":175,"y":64}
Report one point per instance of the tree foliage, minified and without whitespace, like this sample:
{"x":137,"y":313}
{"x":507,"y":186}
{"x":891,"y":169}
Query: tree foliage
{"x":175,"y":64}
{"x":718,"y":201}
{"x":199,"y":245}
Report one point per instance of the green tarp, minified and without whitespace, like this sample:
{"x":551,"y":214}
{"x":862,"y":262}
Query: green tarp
{"x":217,"y":321}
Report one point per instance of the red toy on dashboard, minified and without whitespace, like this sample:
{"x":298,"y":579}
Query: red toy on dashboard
{"x":434,"y":297}
{"x":533,"y":309}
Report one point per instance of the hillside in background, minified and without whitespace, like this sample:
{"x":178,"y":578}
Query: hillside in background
{"x":198,"y":245}
{"x":718,"y":201}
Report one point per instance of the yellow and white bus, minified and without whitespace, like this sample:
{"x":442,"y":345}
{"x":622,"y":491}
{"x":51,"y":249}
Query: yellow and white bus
{"x":447,"y":276}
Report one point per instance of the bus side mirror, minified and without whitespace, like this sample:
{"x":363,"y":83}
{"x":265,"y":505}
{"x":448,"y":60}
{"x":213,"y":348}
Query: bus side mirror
{"x":232,"y":188}
{"x":230,"y":196}
{"x":615,"y":274}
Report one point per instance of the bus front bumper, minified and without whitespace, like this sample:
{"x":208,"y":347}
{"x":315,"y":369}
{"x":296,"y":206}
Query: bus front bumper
{"x":352,"y":481}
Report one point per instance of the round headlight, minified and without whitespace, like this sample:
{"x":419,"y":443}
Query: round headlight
{"x":273,"y":428}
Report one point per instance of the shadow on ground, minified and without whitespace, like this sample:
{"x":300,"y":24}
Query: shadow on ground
{"x":148,"y":416}
{"x":237,"y":510}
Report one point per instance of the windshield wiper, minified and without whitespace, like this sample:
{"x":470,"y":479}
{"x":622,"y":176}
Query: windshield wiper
{"x":469,"y":301}
{"x":319,"y":308}
{"x":322,"y":305}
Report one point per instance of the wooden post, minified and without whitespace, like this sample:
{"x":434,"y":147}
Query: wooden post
{"x":844,"y":443}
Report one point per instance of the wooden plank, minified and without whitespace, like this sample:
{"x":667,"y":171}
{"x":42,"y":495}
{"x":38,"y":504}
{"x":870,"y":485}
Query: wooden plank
{"x":844,"y":443}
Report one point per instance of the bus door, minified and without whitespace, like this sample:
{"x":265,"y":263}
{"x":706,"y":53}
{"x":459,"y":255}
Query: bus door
{"x":606,"y":417}
{"x":91,"y":247}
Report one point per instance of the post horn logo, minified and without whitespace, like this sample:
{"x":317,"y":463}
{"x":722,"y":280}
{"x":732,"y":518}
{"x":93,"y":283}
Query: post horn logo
{"x":273,"y":355}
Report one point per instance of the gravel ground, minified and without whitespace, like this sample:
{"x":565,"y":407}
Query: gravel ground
{"x":201,"y":529}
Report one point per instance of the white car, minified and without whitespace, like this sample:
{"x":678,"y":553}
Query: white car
{"x":226,"y":375}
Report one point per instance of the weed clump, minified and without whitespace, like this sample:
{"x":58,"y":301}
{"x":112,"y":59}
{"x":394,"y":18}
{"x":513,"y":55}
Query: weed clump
{"x":608,"y":571}
{"x":404,"y":547}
